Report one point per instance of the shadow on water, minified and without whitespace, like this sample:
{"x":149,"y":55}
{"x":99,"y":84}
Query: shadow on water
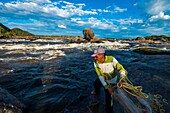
{"x":63,"y":85}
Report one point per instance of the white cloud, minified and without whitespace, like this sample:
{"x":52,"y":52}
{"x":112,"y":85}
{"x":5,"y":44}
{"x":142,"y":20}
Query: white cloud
{"x":104,"y":10}
{"x":153,"y":30}
{"x":130,"y":21}
{"x":72,"y":9}
{"x":39,"y":1}
{"x":62,"y":26}
{"x":81,"y":23}
{"x":154,"y":7}
{"x":146,"y":25}
{"x":161,"y":16}
{"x":135,"y":4}
{"x":3,"y":19}
{"x":95,"y":23}
{"x":60,"y":9}
{"x":38,"y":23}
{"x":68,"y":3}
{"x":108,"y":10}
{"x":81,"y":5}
{"x":75,"y":19}
{"x":108,"y":7}
{"x":124,"y":28}
{"x":25,"y":6}
{"x":118,"y":9}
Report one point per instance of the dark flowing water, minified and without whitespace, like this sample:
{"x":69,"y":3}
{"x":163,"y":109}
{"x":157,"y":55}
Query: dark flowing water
{"x":63,"y":85}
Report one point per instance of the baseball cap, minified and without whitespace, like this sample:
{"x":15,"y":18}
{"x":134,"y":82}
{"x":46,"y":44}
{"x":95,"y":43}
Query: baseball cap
{"x":98,"y":51}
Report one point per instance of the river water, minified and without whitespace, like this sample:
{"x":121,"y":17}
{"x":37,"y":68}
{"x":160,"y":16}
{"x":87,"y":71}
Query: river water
{"x":55,"y":77}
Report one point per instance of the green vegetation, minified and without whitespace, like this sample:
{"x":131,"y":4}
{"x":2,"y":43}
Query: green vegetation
{"x":19,"y":32}
{"x":4,"y":31}
{"x":155,"y":38}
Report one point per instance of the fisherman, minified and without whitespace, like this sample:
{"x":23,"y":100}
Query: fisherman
{"x":105,"y":67}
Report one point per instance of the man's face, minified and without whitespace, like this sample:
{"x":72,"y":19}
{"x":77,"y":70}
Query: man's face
{"x":99,"y":57}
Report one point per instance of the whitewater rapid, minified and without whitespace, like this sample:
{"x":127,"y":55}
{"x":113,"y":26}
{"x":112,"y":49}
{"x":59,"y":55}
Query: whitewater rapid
{"x":38,"y":50}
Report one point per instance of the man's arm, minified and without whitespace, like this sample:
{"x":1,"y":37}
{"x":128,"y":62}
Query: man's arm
{"x":101,"y":78}
{"x":119,"y":68}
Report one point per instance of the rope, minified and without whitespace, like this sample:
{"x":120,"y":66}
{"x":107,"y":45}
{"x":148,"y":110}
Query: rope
{"x":131,"y":89}
{"x":155,"y":101}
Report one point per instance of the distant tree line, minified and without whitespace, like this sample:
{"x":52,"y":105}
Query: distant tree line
{"x":14,"y":32}
{"x":156,"y":38}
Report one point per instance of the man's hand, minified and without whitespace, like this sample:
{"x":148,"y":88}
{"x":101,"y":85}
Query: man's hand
{"x":123,"y":78}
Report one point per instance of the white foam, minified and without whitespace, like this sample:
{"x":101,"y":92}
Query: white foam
{"x":48,"y":52}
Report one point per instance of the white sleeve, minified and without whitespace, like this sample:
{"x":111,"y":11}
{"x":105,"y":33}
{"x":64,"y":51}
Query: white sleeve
{"x":102,"y":81}
{"x":114,"y":61}
{"x":95,"y":65}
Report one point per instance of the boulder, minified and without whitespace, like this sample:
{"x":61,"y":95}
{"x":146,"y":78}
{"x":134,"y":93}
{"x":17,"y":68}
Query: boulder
{"x":9,"y":103}
{"x":88,"y":34}
{"x":151,"y":51}
{"x":140,"y":39}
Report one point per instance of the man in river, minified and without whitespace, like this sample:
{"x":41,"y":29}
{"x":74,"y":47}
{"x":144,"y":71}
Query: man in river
{"x":105,"y":67}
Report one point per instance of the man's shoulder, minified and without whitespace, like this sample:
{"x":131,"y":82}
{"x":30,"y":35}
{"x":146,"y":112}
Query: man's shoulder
{"x":109,"y":58}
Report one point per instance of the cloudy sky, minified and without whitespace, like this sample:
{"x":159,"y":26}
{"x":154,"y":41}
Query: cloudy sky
{"x":107,"y":18}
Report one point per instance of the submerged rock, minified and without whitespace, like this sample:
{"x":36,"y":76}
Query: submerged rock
{"x":9,"y":103}
{"x":152,"y":51}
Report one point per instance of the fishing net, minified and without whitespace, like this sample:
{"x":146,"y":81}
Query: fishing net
{"x":133,"y":100}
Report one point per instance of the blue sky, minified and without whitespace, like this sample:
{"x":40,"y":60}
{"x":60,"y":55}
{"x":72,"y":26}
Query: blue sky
{"x":107,"y":18}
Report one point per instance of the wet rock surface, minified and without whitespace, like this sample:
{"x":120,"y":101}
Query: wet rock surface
{"x":9,"y":103}
{"x":152,"y":51}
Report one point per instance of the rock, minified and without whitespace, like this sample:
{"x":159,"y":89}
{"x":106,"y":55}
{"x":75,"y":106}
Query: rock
{"x":4,"y":37}
{"x":9,"y":103}
{"x":88,"y":34}
{"x":77,"y":40}
{"x":96,"y":40}
{"x":140,"y":39}
{"x":152,"y":51}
